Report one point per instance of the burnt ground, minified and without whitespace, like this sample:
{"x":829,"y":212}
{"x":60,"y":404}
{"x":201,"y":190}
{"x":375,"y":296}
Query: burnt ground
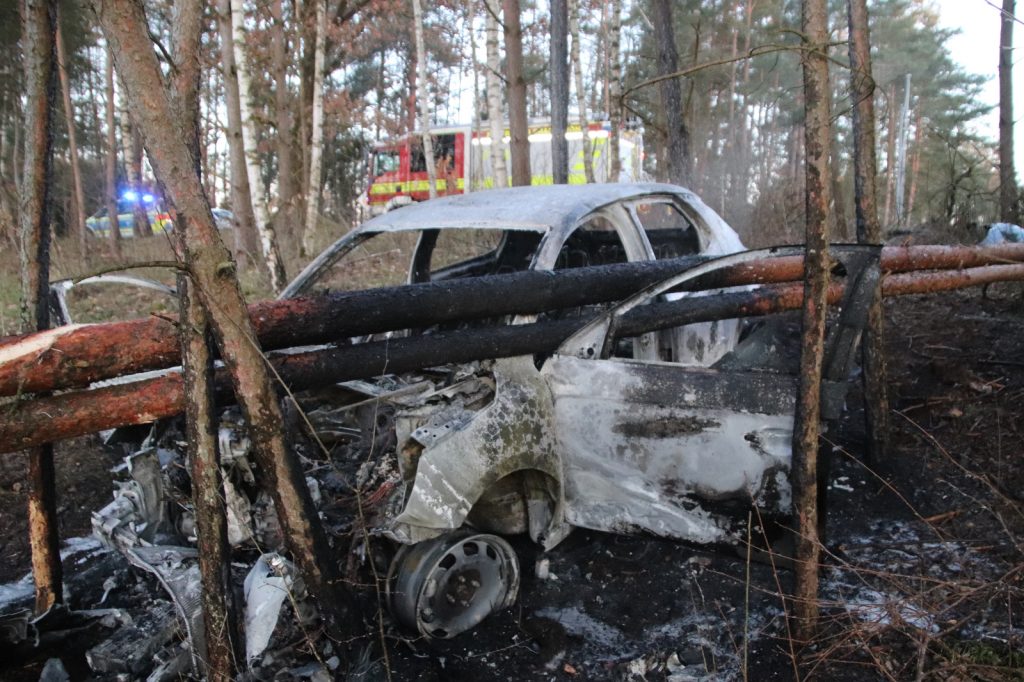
{"x":923,"y":555}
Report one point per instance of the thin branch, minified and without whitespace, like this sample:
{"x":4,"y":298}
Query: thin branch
{"x":1004,"y":12}
{"x":754,"y":52}
{"x":173,"y":265}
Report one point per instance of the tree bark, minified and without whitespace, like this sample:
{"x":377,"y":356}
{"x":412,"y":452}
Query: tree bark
{"x":212,"y":272}
{"x":142,"y":224}
{"x":869,"y":230}
{"x":78,"y":194}
{"x":211,"y":521}
{"x":495,"y":111}
{"x":677,"y":147}
{"x":111,"y":164}
{"x":581,"y":98}
{"x":915,"y":163}
{"x":264,"y":228}
{"x":518,"y":125}
{"x":76,"y":357}
{"x":421,"y":77}
{"x":197,"y":365}
{"x":285,"y":122}
{"x":246,"y":242}
{"x":316,"y":143}
{"x":890,"y":156}
{"x":1008,"y":197}
{"x":560,"y":92}
{"x":615,"y":92}
{"x":38,"y":30}
{"x":818,"y":187}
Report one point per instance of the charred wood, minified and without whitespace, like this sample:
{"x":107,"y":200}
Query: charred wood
{"x":74,"y":357}
{"x":31,"y":422}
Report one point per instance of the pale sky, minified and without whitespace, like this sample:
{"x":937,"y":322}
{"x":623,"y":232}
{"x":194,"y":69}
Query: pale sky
{"x":976,"y":48}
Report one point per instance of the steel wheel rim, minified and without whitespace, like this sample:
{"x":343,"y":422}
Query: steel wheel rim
{"x":446,"y":586}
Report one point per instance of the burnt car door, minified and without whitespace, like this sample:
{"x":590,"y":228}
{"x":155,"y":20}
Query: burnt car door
{"x":681,"y":452}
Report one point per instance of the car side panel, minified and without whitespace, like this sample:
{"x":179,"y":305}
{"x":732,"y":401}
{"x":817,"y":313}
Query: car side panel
{"x":665,"y":449}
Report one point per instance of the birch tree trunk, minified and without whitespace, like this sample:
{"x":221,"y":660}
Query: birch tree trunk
{"x":142,"y":225}
{"x":614,"y":95}
{"x":869,"y":230}
{"x":317,"y":140}
{"x":473,"y":163}
{"x":559,"y":91}
{"x":1008,"y":198}
{"x":111,"y":164}
{"x":78,"y":195}
{"x":38,"y":28}
{"x":421,"y":61}
{"x":581,"y":99}
{"x":817,"y":137}
{"x":212,"y":274}
{"x":261,"y":216}
{"x":890,"y":156}
{"x":495,"y":111}
{"x":518,"y":125}
{"x":246,"y":242}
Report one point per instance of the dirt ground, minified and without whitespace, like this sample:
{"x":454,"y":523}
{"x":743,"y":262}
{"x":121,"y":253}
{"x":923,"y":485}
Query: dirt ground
{"x":923,"y":558}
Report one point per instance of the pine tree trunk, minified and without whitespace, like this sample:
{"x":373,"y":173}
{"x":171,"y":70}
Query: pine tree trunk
{"x":518,"y":125}
{"x":197,"y":364}
{"x":869,"y":230}
{"x":39,"y":27}
{"x":1008,"y":198}
{"x":111,"y":164}
{"x":282,"y":104}
{"x":212,"y":273}
{"x":676,"y":133}
{"x":421,"y":77}
{"x":246,"y":241}
{"x":495,"y":111}
{"x":581,"y":100}
{"x":818,"y":185}
{"x":316,"y":142}
{"x":264,"y":228}
{"x":78,"y":194}
{"x":559,"y":91}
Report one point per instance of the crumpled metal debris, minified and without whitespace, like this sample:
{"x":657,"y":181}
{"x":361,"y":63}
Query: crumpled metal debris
{"x":139,"y":508}
{"x":177,"y":569}
{"x":271,"y":581}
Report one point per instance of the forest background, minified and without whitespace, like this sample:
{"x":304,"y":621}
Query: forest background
{"x":742,"y":118}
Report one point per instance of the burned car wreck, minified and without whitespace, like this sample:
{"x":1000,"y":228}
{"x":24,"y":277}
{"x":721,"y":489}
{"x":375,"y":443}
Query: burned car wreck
{"x":675,"y":432}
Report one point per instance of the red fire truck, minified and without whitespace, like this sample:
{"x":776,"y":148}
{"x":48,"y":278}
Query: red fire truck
{"x":462,"y":161}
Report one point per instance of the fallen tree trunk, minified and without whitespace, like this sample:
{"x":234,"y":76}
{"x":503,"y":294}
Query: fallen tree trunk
{"x":76,"y":356}
{"x":77,"y":413}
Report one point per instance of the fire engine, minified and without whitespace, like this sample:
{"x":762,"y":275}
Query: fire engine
{"x":462,"y":160}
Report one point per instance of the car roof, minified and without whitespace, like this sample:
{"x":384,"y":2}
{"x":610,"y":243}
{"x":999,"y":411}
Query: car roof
{"x":539,"y":209}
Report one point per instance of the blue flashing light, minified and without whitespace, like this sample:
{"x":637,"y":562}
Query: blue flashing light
{"x":148,"y":198}
{"x":130,"y":195}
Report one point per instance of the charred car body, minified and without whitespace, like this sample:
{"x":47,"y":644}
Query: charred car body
{"x":674,"y":433}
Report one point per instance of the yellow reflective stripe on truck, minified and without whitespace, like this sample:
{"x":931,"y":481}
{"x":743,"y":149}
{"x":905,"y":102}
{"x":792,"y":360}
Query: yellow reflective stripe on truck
{"x":412,"y":186}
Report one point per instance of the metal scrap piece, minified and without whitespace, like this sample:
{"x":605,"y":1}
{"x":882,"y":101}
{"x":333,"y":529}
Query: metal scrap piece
{"x":177,"y":569}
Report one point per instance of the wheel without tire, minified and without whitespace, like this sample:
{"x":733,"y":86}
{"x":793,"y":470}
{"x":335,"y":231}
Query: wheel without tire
{"x":445,"y":586}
